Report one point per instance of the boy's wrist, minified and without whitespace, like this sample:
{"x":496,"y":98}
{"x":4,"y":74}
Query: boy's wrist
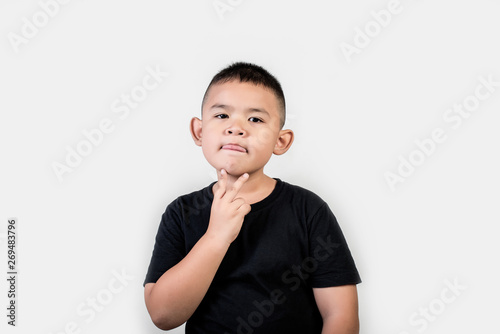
{"x":216,"y":242}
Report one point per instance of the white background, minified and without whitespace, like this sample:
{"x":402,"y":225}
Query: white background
{"x":352,"y":121}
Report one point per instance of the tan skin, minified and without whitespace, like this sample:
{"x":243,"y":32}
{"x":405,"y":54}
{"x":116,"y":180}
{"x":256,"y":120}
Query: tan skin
{"x":247,"y":115}
{"x":238,"y":133}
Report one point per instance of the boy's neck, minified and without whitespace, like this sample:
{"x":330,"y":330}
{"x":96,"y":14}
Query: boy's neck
{"x":258,"y":186}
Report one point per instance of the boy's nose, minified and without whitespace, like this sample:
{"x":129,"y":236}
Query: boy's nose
{"x":235,"y":129}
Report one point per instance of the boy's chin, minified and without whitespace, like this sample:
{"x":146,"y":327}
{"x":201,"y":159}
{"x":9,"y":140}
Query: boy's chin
{"x":233,"y":171}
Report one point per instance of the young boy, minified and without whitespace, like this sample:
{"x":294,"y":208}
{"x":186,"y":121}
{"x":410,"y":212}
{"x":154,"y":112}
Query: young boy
{"x":249,"y":253}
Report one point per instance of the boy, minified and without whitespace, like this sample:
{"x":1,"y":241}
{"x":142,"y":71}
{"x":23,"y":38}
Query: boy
{"x":249,"y":253}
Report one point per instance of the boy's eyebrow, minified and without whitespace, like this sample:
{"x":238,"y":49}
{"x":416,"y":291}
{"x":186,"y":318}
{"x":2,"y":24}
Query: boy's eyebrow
{"x":262,"y":110}
{"x":223,"y":106}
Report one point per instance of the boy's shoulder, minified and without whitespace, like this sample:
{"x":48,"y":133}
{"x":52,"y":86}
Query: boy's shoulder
{"x":301,"y":197}
{"x":297,"y":192}
{"x":301,"y":191}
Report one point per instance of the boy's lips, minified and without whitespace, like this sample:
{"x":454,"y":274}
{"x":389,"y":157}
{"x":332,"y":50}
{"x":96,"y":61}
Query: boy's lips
{"x":234,"y":147}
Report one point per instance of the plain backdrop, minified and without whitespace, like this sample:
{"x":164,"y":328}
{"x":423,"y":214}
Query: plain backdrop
{"x":355,"y":117}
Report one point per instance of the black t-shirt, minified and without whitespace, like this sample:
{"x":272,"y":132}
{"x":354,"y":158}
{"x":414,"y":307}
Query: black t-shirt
{"x":289,"y":243}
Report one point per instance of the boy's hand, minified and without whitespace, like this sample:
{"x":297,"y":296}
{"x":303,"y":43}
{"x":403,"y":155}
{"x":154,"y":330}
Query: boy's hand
{"x":226,"y":216}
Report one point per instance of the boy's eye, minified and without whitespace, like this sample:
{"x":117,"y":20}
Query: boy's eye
{"x":255,"y":119}
{"x":221,"y":116}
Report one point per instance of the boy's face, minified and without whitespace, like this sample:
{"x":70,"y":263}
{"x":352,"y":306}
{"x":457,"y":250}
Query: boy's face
{"x":240,"y":127}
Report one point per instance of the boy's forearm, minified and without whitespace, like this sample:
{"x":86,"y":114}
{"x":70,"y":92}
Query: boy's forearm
{"x":172,"y":300}
{"x":179,"y":291}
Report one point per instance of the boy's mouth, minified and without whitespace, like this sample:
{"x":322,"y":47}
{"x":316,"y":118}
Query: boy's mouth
{"x":234,"y":147}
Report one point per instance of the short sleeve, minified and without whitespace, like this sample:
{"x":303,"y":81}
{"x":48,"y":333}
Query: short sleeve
{"x":329,"y":254}
{"x":169,"y":248}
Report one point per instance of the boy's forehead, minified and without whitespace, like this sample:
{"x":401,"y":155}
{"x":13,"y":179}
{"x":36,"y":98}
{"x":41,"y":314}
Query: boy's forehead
{"x":236,"y":92}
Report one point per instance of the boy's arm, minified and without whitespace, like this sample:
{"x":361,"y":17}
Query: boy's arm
{"x":338,"y":306}
{"x":178,"y":292}
{"x":175,"y":296}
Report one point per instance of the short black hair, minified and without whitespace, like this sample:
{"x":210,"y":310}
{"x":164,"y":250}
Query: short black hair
{"x":257,"y":75}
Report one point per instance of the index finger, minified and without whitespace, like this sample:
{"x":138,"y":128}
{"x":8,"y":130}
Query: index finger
{"x":221,"y":181}
{"x":237,"y":186}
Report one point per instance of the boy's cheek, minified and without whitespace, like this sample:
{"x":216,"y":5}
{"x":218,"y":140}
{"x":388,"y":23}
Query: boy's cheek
{"x":262,"y":136}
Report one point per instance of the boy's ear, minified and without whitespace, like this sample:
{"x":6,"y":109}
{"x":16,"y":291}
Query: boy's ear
{"x":283,"y":142}
{"x":195,"y":127}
